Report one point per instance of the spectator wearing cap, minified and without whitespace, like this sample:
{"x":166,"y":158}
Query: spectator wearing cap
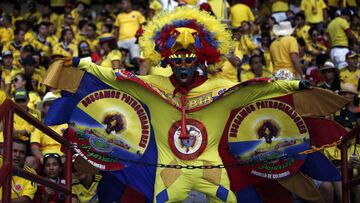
{"x":331,"y":77}
{"x":351,"y":74}
{"x":16,"y":45}
{"x":315,"y":12}
{"x":67,"y":46}
{"x":22,"y":129}
{"x":7,"y":71}
{"x":22,"y":190}
{"x":279,"y":9}
{"x":126,"y":25}
{"x":111,"y":56}
{"x":284,"y":50}
{"x":340,"y":34}
{"x":42,"y":144}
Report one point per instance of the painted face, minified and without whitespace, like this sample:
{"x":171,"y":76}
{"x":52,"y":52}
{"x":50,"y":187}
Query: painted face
{"x":184,"y":68}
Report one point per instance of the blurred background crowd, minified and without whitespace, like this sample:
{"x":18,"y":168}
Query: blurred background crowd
{"x":314,"y":40}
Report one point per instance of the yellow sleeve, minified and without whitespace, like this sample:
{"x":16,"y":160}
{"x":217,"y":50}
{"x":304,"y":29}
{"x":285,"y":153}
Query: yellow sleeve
{"x":36,"y":136}
{"x":30,"y":187}
{"x":251,"y":15}
{"x":115,"y":55}
{"x":323,"y":5}
{"x":117,"y":21}
{"x":302,"y":6}
{"x":107,"y":75}
{"x":344,"y":24}
{"x":141,"y":19}
{"x":293,"y":46}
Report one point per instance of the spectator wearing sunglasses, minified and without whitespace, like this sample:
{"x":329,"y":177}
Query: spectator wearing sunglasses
{"x":52,"y":169}
{"x":21,"y":82}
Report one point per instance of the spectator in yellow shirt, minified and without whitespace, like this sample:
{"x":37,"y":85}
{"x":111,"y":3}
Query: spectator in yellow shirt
{"x":22,"y":190}
{"x":16,"y":45}
{"x":315,"y":12}
{"x":84,"y":187}
{"x":126,"y":25}
{"x":111,"y":56}
{"x":340,"y":34}
{"x":351,"y":74}
{"x":279,"y":9}
{"x":313,"y":46}
{"x":91,"y":37}
{"x":42,"y":144}
{"x":6,"y":31}
{"x":220,"y":8}
{"x":67,"y":45}
{"x":284,"y":50}
{"x":302,"y":29}
{"x":256,"y":69}
{"x":20,"y":82}
{"x":239,"y":13}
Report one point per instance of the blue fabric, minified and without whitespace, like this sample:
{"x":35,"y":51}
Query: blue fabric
{"x":248,"y":195}
{"x":162,"y":197}
{"x":75,"y":61}
{"x":109,"y":192}
{"x":319,"y":167}
{"x":222,"y":193}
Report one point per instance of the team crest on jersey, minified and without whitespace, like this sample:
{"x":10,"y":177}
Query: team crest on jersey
{"x":191,"y":147}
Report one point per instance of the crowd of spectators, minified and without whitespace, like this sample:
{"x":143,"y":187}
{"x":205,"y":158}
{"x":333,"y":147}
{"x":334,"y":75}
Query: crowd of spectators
{"x":315,"y":40}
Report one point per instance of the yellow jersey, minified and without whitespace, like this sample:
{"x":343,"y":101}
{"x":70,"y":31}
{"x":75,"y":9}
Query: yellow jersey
{"x":279,"y":6}
{"x":247,"y":75}
{"x":47,"y":144}
{"x":303,"y":32}
{"x":112,"y":56}
{"x":6,"y":34}
{"x":218,"y":7}
{"x":347,"y":76}
{"x":313,"y":10}
{"x":240,"y":13}
{"x":86,"y":194}
{"x":280,"y":50}
{"x":336,"y":30}
{"x":21,"y":187}
{"x":128,"y":24}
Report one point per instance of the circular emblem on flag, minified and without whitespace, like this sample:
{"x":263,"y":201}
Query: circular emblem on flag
{"x":112,"y":128}
{"x":268,"y":136}
{"x":193,"y":144}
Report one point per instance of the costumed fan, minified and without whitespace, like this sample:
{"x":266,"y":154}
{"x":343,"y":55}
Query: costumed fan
{"x":165,"y":136}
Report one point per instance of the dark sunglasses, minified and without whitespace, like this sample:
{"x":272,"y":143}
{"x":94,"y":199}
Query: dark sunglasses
{"x":51,"y":155}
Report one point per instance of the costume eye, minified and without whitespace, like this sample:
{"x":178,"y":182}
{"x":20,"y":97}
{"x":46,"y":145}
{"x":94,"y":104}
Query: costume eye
{"x":175,"y":33}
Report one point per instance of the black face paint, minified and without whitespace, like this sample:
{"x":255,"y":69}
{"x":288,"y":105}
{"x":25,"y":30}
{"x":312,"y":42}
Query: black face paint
{"x":184,"y":76}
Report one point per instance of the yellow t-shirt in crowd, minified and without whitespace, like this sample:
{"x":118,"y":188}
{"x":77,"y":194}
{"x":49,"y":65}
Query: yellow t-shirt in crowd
{"x":313,"y":10}
{"x":112,"y":56}
{"x":279,"y":6}
{"x":246,"y":45}
{"x":57,"y":3}
{"x":333,"y":3}
{"x":47,"y":144}
{"x":21,"y":124}
{"x":128,"y":24}
{"x":268,"y":63}
{"x":218,"y":7}
{"x":280,"y":50}
{"x":352,"y":3}
{"x":347,"y":76}
{"x":21,"y":187}
{"x":15,"y":49}
{"x":240,"y":13}
{"x":247,"y":75}
{"x":86,"y":194}
{"x":93,"y":44}
{"x":315,"y":48}
{"x":70,"y":51}
{"x":6,"y":35}
{"x":303,"y":32}
{"x":336,"y":30}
